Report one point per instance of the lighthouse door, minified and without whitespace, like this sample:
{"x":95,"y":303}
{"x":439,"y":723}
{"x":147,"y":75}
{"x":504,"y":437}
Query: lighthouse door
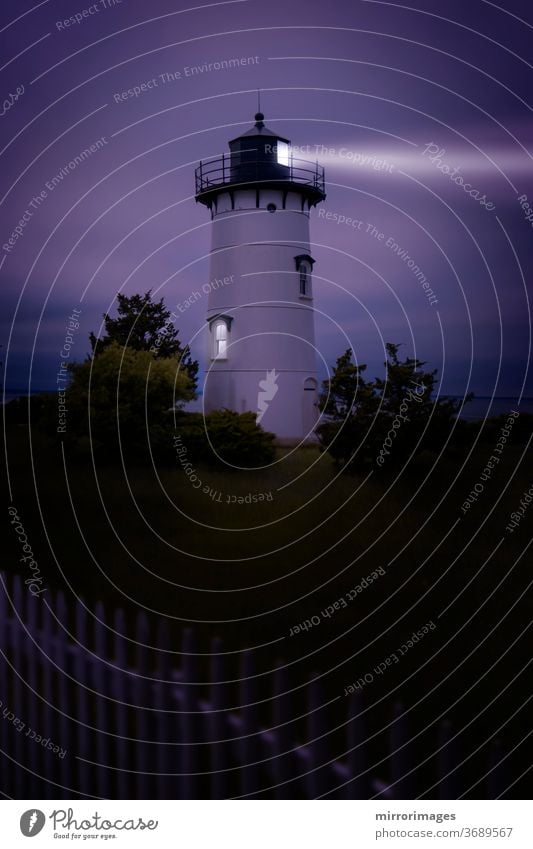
{"x":310,"y":411}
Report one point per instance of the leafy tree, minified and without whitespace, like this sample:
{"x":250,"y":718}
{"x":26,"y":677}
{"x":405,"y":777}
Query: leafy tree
{"x":346,"y":391}
{"x":145,"y":325}
{"x":348,"y":405}
{"x":378,"y":424}
{"x":126,"y":393}
{"x":225,"y":437}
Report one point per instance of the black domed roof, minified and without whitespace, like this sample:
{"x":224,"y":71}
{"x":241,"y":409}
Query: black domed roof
{"x":259,"y":129}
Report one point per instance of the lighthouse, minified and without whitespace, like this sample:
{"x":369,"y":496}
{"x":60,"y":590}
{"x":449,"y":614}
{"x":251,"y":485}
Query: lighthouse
{"x":261,"y":353}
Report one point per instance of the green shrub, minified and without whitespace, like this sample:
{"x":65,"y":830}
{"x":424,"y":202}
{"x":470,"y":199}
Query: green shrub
{"x":224,"y":437}
{"x":120,"y":399}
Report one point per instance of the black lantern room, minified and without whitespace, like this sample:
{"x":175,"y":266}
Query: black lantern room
{"x":259,"y":158}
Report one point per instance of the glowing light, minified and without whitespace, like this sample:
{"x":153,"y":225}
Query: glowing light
{"x":283,"y":153}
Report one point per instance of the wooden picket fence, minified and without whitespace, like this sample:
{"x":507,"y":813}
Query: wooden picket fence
{"x":129,"y":724}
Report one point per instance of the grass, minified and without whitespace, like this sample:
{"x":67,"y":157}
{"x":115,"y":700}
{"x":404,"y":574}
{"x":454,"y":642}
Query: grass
{"x":249,"y":572}
{"x":141,"y":528}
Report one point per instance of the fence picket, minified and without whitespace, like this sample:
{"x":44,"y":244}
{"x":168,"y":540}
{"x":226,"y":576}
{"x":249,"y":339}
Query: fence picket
{"x":188,"y":725}
{"x":168,"y":737}
{"x":18,"y":688}
{"x":402,"y":784}
{"x":448,"y":760}
{"x":283,"y":762}
{"x":141,"y":689}
{"x":120,"y":712}
{"x":250,"y":752}
{"x":82,"y":737}
{"x":166,"y":784}
{"x":318,"y":773}
{"x":218,"y":726}
{"x":358,"y":787}
{"x":62,"y":701}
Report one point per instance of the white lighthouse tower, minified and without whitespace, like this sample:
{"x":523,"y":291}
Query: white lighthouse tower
{"x":260,"y":328}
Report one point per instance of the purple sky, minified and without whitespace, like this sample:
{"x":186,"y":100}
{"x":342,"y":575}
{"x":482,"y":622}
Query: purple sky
{"x":371,"y":82}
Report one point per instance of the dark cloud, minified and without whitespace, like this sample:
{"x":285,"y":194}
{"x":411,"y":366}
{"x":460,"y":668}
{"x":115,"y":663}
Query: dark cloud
{"x":124,"y":218}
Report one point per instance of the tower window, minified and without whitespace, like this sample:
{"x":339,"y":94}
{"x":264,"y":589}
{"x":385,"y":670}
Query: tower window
{"x":220,"y":340}
{"x":304,"y":266}
{"x":304,"y":279}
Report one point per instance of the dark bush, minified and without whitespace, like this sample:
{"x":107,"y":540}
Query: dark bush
{"x":390,"y":422}
{"x":224,"y":437}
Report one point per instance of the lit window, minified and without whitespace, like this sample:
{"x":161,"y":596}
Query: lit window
{"x":221,"y":340}
{"x":283,"y":153}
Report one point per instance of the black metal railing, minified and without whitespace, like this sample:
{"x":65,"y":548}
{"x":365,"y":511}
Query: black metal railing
{"x":227,"y":169}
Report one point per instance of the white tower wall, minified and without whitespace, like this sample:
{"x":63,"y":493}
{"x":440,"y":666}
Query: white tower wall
{"x":272,"y":325}
{"x":261,"y":353}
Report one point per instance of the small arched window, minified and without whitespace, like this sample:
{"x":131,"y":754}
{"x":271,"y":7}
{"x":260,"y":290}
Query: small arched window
{"x":304,"y":278}
{"x":220,"y":334}
{"x":304,"y":267}
{"x":220,"y":327}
